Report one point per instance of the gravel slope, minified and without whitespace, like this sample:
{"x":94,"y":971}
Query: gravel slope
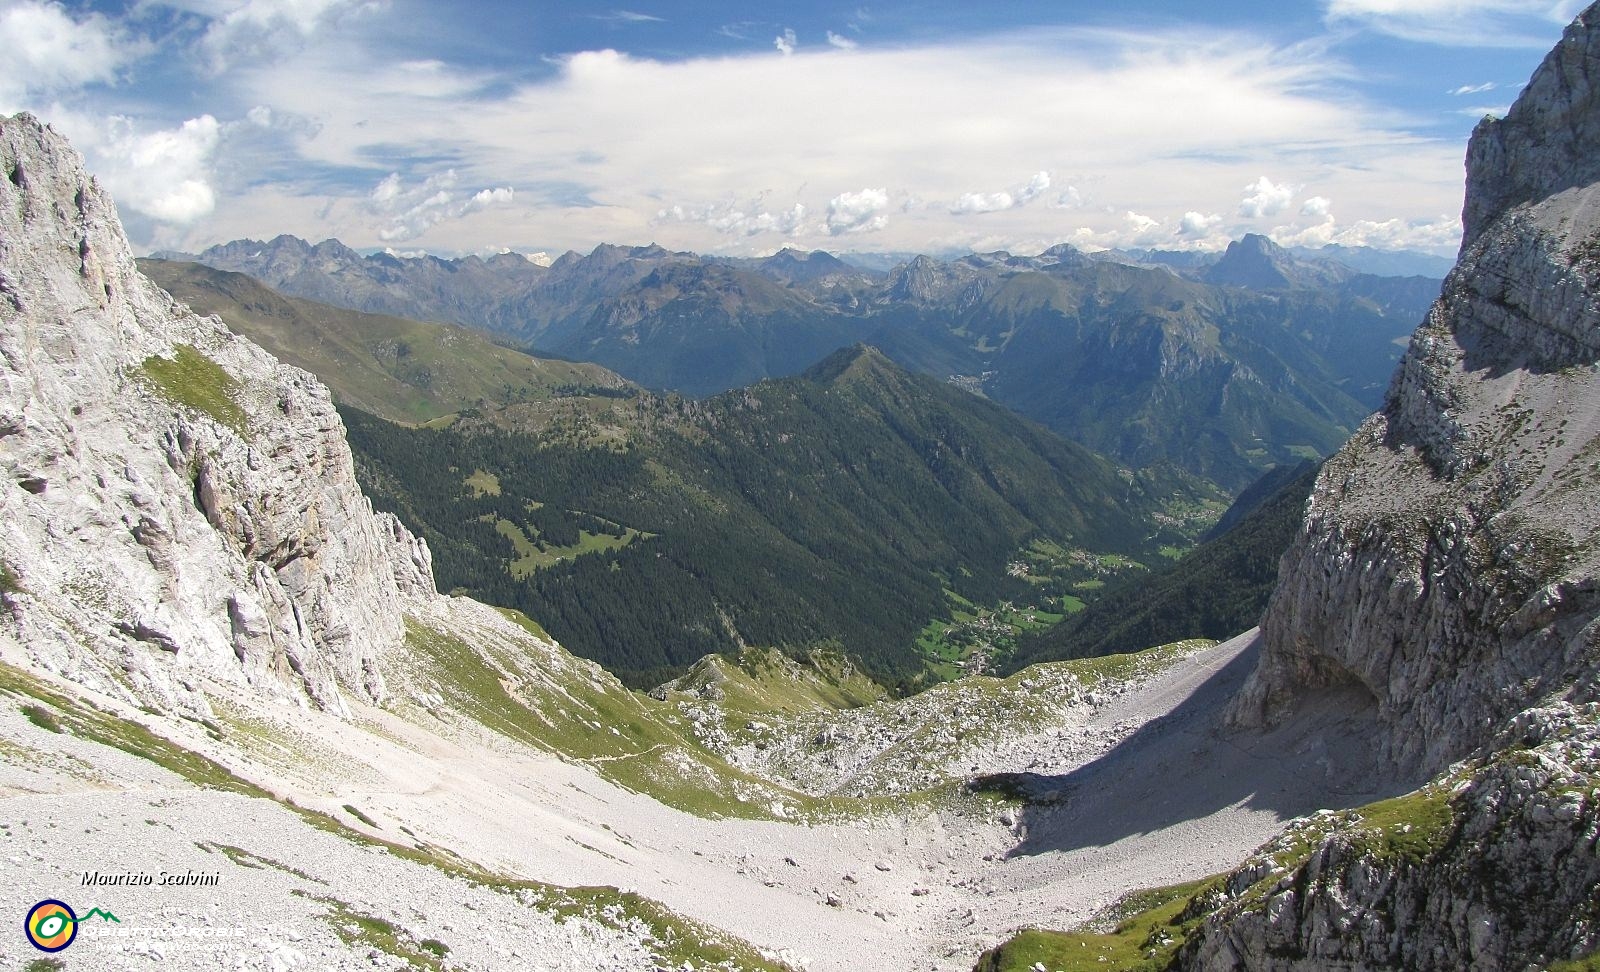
{"x":1141,"y":790}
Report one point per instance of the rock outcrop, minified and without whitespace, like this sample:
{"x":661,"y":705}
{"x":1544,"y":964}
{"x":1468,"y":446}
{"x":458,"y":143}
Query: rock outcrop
{"x":1449,"y":567}
{"x":1492,"y":867}
{"x":1449,"y":558}
{"x":179,"y":506}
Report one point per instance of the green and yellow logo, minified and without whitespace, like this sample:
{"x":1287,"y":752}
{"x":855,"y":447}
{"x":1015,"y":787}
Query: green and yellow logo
{"x":52,"y":925}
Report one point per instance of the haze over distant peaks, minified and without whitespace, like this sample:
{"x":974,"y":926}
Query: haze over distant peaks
{"x":1158,"y":330}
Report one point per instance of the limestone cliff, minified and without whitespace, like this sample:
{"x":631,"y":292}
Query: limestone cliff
{"x":178,"y":504}
{"x":1449,"y":566}
{"x":1448,"y":562}
{"x":1492,"y":867}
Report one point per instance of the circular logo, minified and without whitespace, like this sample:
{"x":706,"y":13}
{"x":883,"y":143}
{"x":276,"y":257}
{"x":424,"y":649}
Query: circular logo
{"x":51,"y":926}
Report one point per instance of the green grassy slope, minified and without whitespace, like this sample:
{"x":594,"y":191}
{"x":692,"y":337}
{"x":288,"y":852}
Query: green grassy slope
{"x":405,"y":371}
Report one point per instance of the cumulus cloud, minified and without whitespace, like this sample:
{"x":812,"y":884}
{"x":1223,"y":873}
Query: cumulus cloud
{"x":1265,"y":198}
{"x":491,"y":197}
{"x":841,"y":42}
{"x":1157,"y":123}
{"x":1142,"y":230}
{"x":1431,"y":235}
{"x":785,"y":42}
{"x":48,"y":52}
{"x":410,"y":211}
{"x":1195,"y":224}
{"x":858,"y":212}
{"x":739,"y":221}
{"x":166,"y":174}
{"x":1319,"y":207}
{"x":1069,"y":198}
{"x":994,"y":202}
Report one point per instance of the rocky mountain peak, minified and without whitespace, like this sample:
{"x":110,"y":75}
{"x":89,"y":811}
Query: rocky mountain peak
{"x":179,"y":506}
{"x":1253,"y":261}
{"x":1449,"y":564}
{"x":1546,"y":143}
{"x":1256,"y":262}
{"x":859,"y":361}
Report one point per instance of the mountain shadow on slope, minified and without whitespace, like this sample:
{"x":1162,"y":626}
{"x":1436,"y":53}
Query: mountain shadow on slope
{"x":1188,"y":764}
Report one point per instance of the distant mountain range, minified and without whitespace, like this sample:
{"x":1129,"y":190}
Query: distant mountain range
{"x":1220,"y":367}
{"x":1332,"y":257}
{"x":401,"y":370}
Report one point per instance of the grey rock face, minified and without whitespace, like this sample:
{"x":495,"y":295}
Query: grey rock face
{"x":150,"y":543}
{"x":1449,"y":565}
{"x":1546,"y":142}
{"x":1450,"y":557}
{"x":1492,"y":868}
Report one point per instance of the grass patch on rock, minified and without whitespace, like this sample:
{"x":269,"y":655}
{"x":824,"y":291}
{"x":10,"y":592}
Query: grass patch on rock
{"x":1156,"y":925}
{"x":192,"y":380}
{"x":86,"y":722}
{"x":41,"y":717}
{"x":361,"y":930}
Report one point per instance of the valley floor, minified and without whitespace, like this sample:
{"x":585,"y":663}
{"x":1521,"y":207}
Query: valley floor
{"x":1134,"y":787}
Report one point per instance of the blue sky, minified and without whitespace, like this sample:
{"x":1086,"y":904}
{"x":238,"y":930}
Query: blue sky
{"x":483,"y":125}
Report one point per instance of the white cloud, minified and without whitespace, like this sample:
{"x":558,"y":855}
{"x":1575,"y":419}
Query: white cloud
{"x":1195,"y":224}
{"x":983,"y":202}
{"x":1160,"y":124}
{"x":491,"y":197}
{"x":785,"y":42}
{"x":165,"y":175}
{"x":629,"y":17}
{"x":1467,"y":89}
{"x":1461,"y":23}
{"x":409,"y":212}
{"x":49,"y":52}
{"x":995,"y":202}
{"x":1319,"y":207}
{"x":1479,"y":111}
{"x":858,"y":212}
{"x":736,"y":221}
{"x":1438,"y":234}
{"x":1035,"y":187}
{"x":254,"y":30}
{"x":1265,"y":198}
{"x":841,"y":42}
{"x":1070,"y":198}
{"x":1142,"y":229}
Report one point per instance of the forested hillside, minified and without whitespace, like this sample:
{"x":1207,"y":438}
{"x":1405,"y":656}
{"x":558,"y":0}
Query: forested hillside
{"x":847,"y":506}
{"x":1215,"y":591}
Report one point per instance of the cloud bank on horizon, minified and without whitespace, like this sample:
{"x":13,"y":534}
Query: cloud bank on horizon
{"x":493,"y":124}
